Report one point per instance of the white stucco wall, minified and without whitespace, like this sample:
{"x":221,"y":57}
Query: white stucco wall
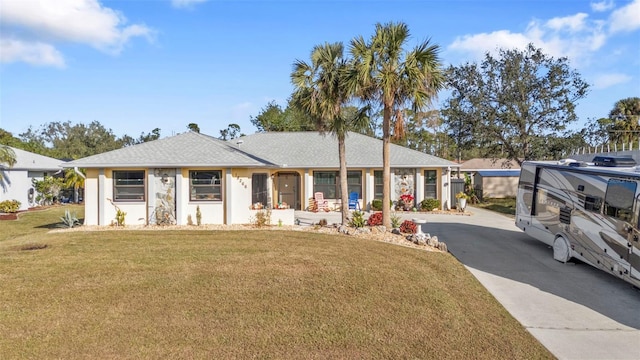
{"x":91,"y":197}
{"x":16,"y":184}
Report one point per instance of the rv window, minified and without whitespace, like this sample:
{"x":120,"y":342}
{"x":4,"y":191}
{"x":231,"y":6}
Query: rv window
{"x":592,"y":203}
{"x":618,"y":200}
{"x":527,"y":175}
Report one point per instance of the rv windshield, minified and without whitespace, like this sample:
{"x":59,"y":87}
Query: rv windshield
{"x":619,"y":199}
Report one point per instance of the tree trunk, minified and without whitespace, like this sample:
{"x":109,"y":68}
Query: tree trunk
{"x":386,"y":166}
{"x":344,"y":189}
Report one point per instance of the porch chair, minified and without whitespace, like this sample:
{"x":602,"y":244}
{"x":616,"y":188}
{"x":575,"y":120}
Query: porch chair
{"x":321,"y":203}
{"x":354,"y":204}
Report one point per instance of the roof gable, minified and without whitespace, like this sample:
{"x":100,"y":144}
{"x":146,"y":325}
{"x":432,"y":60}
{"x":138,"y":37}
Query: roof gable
{"x":26,"y":160}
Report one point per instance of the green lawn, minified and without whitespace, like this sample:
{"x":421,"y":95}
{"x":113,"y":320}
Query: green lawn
{"x":241,"y":294}
{"x":505,"y":206}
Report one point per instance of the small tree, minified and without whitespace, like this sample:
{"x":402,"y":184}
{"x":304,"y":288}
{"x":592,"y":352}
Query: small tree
{"x":74,"y":179}
{"x":48,"y":189}
{"x":508,"y":105}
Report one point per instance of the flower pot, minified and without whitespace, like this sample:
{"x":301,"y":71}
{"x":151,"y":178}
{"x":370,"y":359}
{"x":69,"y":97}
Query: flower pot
{"x":462,"y":203}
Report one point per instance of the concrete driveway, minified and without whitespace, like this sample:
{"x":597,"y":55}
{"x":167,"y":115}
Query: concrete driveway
{"x":575,"y":310}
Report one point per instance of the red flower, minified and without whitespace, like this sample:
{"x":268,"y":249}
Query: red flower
{"x":406,"y":198}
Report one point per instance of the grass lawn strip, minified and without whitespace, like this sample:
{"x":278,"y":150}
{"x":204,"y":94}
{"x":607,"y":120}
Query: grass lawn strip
{"x":244,"y":294}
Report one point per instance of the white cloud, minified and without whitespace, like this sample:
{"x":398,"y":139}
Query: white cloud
{"x":78,"y":21}
{"x":602,"y":5}
{"x":604,"y":81}
{"x":575,"y":37}
{"x":627,"y":18}
{"x":34,"y":53}
{"x":478,"y":44}
{"x":573,"y":23}
{"x":181,"y":4}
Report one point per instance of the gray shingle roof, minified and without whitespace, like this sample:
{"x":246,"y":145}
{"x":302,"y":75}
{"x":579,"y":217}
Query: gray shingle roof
{"x":279,"y":149}
{"x":189,"y":149}
{"x":314,"y":150}
{"x":26,"y":160}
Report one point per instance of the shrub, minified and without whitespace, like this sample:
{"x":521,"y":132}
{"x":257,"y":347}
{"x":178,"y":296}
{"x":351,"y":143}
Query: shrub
{"x":375,"y":219}
{"x":48,"y":189}
{"x":376,"y":204}
{"x":263,"y":218}
{"x":198,"y":216}
{"x":10,"y":206}
{"x":408,"y":227}
{"x":120,"y":215}
{"x":70,"y":220}
{"x":395,"y":221}
{"x":357,"y":220}
{"x":429,"y":204}
{"x":322,"y":222}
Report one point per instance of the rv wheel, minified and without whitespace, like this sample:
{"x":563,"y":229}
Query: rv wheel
{"x":561,"y":250}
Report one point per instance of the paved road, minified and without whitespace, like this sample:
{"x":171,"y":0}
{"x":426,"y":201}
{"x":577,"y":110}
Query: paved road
{"x":575,"y":310}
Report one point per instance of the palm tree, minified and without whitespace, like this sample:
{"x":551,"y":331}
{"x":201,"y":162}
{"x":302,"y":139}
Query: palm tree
{"x":320,"y":92}
{"x":625,"y":115}
{"x":7,"y":156}
{"x":384,"y":74}
{"x":74,"y":179}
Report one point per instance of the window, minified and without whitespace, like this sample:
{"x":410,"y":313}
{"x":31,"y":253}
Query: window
{"x":327,"y":182}
{"x":378,"y":184}
{"x":525,"y":186}
{"x":592,"y":203}
{"x":618,"y":201}
{"x":354,"y":182}
{"x":430,"y":184}
{"x":205,"y":185}
{"x":259,"y":189}
{"x":128,"y":185}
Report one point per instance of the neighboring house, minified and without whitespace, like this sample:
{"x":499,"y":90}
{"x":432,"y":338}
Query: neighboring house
{"x":493,"y":178}
{"x":166,"y":180}
{"x":497,"y":183}
{"x":16,"y":183}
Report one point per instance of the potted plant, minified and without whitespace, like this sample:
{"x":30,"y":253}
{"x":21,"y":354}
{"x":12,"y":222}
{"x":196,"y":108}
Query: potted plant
{"x":407,"y":201}
{"x":462,"y":200}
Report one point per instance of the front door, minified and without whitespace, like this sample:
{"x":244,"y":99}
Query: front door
{"x":287,"y":185}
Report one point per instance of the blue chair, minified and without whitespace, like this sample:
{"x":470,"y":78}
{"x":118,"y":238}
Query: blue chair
{"x":353,"y":201}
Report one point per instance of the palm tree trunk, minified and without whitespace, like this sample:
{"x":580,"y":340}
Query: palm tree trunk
{"x":344,"y":188}
{"x":386,"y":166}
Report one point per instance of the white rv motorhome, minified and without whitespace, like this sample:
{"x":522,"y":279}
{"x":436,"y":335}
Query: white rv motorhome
{"x":589,"y":212}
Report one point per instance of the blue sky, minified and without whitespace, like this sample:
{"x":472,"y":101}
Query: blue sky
{"x":144,"y":64}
